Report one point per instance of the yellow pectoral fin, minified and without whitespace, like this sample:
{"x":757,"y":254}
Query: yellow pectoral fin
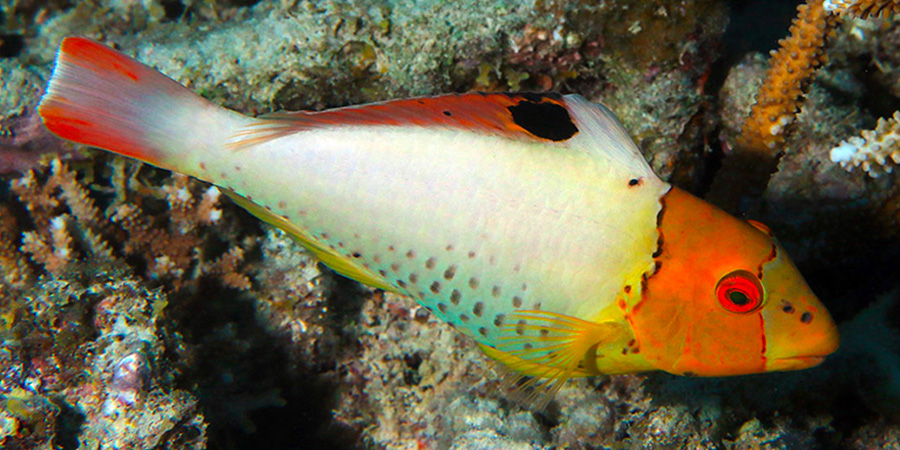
{"x":550,"y":345}
{"x":551,"y":348}
{"x":341,"y":264}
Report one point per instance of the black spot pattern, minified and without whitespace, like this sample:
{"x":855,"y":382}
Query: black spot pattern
{"x":544,"y":120}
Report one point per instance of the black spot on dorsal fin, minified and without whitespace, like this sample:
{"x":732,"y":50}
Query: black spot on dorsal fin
{"x":548,"y":120}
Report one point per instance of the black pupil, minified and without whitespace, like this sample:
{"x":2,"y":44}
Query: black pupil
{"x":738,"y":298}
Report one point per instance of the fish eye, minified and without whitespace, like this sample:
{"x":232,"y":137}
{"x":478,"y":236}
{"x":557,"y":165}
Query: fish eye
{"x":739,"y":292}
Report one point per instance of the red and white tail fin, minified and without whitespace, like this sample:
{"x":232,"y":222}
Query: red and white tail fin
{"x":100,"y":97}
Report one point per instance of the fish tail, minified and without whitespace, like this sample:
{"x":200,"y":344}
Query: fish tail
{"x":102,"y":98}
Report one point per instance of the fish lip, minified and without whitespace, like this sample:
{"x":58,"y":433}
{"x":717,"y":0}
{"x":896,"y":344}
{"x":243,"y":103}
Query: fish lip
{"x":818,"y":358}
{"x":796,"y":362}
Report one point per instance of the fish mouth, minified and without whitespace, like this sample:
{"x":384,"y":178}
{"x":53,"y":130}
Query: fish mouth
{"x":795,"y":362}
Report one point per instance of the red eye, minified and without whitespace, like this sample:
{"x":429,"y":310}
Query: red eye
{"x":739,"y":292}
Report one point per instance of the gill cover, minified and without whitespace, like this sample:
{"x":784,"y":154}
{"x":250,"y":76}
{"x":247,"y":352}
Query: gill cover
{"x":725,"y":299}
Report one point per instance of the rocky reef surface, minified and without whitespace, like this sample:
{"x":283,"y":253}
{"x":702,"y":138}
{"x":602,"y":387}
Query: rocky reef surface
{"x":140,"y":310}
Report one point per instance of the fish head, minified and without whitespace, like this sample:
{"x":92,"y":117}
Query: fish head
{"x":725,"y":298}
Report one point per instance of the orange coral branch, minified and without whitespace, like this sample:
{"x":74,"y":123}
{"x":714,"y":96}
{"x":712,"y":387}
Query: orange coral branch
{"x":746,"y":172}
{"x":14,"y":270}
{"x":790,"y":69}
{"x":864,"y":8}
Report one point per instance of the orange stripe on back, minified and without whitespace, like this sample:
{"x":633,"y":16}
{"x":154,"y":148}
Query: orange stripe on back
{"x":517,"y":116}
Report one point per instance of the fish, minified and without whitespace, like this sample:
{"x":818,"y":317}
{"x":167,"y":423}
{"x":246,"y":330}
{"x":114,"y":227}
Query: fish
{"x":530,"y":222}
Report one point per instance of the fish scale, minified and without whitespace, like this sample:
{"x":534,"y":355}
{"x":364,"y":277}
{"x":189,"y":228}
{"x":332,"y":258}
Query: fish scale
{"x":496,"y":192}
{"x":530,"y":222}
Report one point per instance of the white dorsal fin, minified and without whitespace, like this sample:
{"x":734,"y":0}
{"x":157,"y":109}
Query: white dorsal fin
{"x":599,"y":130}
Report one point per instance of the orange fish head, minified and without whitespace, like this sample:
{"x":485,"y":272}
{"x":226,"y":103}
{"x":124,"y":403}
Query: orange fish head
{"x":799,"y":331}
{"x":725,"y":298}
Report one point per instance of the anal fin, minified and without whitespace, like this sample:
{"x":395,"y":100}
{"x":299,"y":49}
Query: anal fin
{"x":338,"y":262}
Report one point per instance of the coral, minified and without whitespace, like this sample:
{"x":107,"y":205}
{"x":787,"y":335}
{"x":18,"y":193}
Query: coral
{"x":863,"y":8}
{"x":790,"y":69}
{"x":92,"y":355}
{"x":67,"y":225}
{"x":876,"y":151}
{"x":759,"y":146}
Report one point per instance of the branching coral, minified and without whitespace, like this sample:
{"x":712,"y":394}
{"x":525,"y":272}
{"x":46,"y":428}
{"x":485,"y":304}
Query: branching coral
{"x":863,"y":8}
{"x":790,"y":69}
{"x":777,"y":103}
{"x":68,"y":228}
{"x":12,"y":263}
{"x":760,"y":144}
{"x":874,"y":151}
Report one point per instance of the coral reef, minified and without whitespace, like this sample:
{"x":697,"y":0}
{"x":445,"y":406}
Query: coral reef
{"x":761,"y":140}
{"x":78,"y":357}
{"x":880,"y":146}
{"x":864,"y":8}
{"x":790,"y":69}
{"x":140,"y":310}
{"x":760,"y":144}
{"x":67,"y":224}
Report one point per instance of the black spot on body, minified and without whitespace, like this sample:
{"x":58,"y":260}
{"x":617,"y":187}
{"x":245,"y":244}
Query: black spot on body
{"x":544,"y":120}
{"x":478,"y":310}
{"x":483,"y":331}
{"x":787,"y":307}
{"x":634,"y":182}
{"x":448,"y":113}
{"x":450,"y":273}
{"x":498,"y":320}
{"x":455,"y":296}
{"x":806,"y":317}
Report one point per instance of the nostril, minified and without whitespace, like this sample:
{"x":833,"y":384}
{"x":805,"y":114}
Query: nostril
{"x":787,"y":307}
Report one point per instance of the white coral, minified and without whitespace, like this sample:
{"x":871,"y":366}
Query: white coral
{"x":838,"y":5}
{"x":877,"y":151}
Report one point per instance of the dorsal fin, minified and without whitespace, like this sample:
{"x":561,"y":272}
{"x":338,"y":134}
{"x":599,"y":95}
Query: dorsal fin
{"x":542,"y":117}
{"x":601,"y":131}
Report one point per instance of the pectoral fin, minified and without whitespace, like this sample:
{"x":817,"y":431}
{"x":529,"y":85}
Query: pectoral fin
{"x":550,"y":348}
